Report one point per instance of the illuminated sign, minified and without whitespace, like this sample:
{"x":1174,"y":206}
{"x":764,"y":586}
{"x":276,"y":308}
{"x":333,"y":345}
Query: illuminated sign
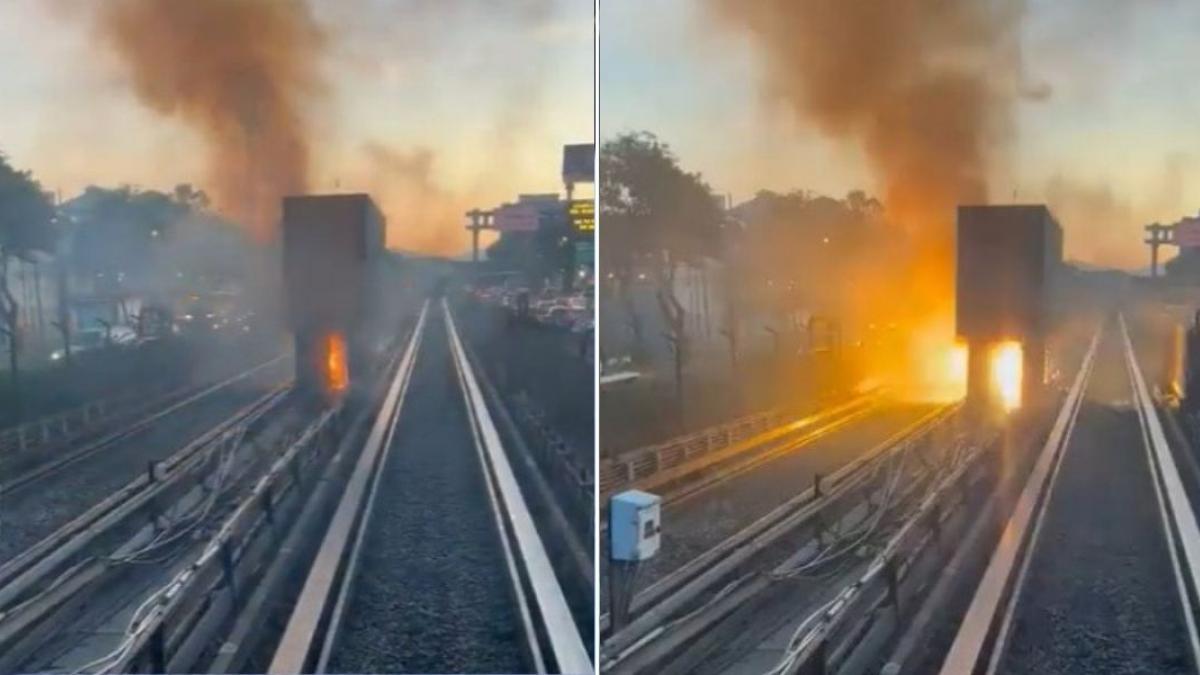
{"x":583,"y":215}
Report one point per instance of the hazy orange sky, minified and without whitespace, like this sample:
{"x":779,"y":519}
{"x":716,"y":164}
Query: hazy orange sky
{"x":432,"y":107}
{"x":1108,"y":133}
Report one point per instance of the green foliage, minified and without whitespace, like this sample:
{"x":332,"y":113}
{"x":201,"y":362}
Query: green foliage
{"x":142,"y":239}
{"x":651,"y":209}
{"x":790,"y":245}
{"x":113,"y":229}
{"x":26,"y":214}
{"x":26,"y":225}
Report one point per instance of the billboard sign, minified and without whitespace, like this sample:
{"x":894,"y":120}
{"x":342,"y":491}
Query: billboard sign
{"x":583,"y":216}
{"x":516,"y":218}
{"x":1187,"y":233}
{"x":579,"y":163}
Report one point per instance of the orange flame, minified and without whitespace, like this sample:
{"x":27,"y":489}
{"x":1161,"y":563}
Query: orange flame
{"x":337,"y":376}
{"x":1007,"y":366}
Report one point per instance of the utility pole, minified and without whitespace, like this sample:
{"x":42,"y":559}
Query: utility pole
{"x":569,"y":262}
{"x":1157,"y":235}
{"x":62,"y":279}
{"x":37,"y":289}
{"x":480,"y":220}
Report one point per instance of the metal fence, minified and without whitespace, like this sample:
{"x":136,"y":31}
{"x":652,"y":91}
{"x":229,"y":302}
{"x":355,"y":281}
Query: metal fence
{"x":628,"y":468}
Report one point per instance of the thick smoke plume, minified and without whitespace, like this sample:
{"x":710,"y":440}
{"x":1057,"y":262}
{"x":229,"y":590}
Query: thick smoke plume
{"x":423,"y":216}
{"x":925,"y":89}
{"x":243,"y":74}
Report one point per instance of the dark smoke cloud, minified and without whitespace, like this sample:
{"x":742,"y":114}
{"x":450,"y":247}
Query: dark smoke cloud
{"x":908,"y":81}
{"x":246,"y":75}
{"x":243,"y":73}
{"x":926,"y":89}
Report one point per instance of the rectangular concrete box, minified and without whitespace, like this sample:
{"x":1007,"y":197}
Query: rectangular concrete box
{"x":1007,"y":258}
{"x":331,"y":247}
{"x":634,"y":525}
{"x":329,"y":244}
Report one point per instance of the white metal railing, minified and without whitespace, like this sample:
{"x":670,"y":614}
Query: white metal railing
{"x":628,"y":468}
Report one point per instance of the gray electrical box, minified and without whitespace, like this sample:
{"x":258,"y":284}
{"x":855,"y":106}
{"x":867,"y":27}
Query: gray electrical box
{"x":634,"y":525}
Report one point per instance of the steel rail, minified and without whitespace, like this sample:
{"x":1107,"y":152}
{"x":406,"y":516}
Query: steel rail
{"x":32,"y":476}
{"x":184,"y":596}
{"x":1174,"y":507}
{"x":781,"y":519}
{"x":549,"y":601}
{"x":63,"y":570}
{"x":664,"y":602}
{"x":815,"y":427}
{"x":750,"y":591}
{"x":547,"y":485}
{"x":235,"y":570}
{"x":649,"y":467}
{"x":998,"y":587}
{"x":272,"y":557}
{"x":20,"y":574}
{"x":878,"y":585}
{"x":308,"y":637}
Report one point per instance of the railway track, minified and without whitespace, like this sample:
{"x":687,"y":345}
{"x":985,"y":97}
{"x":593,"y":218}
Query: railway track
{"x":25,"y":466}
{"x":702,"y":515}
{"x":432,"y":561}
{"x":47,"y":496}
{"x":1098,"y":564}
{"x":685,"y":609}
{"x":54,"y":588}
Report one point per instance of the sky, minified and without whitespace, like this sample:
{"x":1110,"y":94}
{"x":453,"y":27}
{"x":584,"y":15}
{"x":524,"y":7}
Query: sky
{"x":1114,"y":146}
{"x":476,"y":98}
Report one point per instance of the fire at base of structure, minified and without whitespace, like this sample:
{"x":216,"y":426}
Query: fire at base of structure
{"x":1007,"y":363}
{"x":337,"y":374}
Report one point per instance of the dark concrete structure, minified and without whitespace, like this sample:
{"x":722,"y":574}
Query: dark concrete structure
{"x":331,"y":247}
{"x":1008,"y":256}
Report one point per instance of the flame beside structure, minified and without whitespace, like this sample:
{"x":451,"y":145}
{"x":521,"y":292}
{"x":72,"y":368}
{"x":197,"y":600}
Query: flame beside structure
{"x":337,"y":374}
{"x":1007,"y":365}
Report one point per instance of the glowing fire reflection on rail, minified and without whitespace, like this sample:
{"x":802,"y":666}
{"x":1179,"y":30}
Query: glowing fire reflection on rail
{"x":1006,"y":366}
{"x":337,"y":376}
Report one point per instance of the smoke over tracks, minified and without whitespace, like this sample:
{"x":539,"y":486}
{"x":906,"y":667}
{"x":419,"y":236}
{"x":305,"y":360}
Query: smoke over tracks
{"x":926,"y":90}
{"x":243,"y":74}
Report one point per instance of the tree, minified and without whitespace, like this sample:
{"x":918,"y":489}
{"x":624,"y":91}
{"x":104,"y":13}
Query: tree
{"x":116,"y":229}
{"x":141,"y":241}
{"x":656,"y":217}
{"x":26,"y":217}
{"x":655,"y":214}
{"x":795,"y":242}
